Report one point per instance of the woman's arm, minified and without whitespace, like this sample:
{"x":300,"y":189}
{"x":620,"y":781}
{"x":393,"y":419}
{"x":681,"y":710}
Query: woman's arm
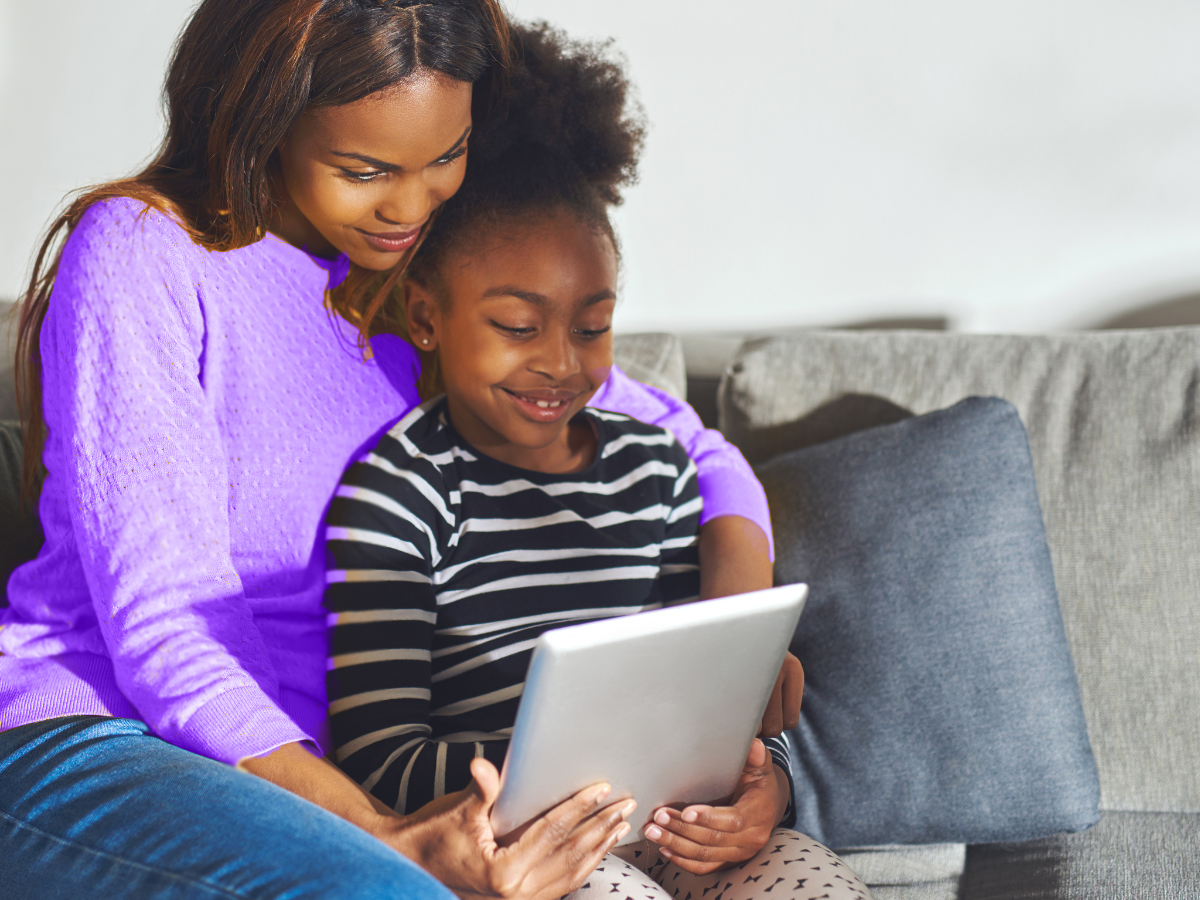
{"x":135,"y":445}
{"x":736,"y":550}
{"x":452,"y":837}
{"x":726,"y":481}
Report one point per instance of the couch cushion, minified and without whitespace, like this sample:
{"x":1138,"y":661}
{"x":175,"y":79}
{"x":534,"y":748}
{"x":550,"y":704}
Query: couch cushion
{"x":1114,"y":425}
{"x":20,"y":533}
{"x":1129,"y":854}
{"x":940,"y":700}
{"x":930,"y":872}
{"x":652,"y":358}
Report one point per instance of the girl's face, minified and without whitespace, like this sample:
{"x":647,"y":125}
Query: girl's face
{"x":523,"y":334}
{"x":363,"y":178}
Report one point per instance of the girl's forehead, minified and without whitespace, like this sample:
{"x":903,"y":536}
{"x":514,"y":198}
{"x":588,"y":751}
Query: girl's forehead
{"x":557,"y":256}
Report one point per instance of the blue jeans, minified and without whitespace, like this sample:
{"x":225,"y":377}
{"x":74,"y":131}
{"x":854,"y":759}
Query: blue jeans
{"x":96,"y":807}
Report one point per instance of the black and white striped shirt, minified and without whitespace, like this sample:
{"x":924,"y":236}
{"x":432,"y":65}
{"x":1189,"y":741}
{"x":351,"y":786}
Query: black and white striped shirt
{"x":445,"y":567}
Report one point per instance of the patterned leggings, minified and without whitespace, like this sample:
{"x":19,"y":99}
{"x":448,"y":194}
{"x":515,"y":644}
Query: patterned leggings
{"x":791,"y":866}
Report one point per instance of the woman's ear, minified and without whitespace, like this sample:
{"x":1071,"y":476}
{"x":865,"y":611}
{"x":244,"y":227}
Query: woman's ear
{"x":423,"y":315}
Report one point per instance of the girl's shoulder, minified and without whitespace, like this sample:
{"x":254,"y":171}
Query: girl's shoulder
{"x":627,"y":442}
{"x":422,"y":443}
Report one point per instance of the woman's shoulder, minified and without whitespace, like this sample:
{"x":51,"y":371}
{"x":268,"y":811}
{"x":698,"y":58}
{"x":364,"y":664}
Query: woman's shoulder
{"x":121,"y":223}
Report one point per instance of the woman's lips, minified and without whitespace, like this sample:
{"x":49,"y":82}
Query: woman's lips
{"x":391,"y":242}
{"x":541,"y":406}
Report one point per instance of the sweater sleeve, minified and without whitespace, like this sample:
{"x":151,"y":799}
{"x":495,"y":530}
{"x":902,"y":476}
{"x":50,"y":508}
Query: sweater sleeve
{"x":726,"y":481}
{"x":386,"y":533}
{"x":135,"y":440}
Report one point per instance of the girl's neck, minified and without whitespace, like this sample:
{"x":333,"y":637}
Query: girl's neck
{"x":573,"y":450}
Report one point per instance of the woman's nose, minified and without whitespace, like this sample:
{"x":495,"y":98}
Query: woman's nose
{"x":409,"y":204}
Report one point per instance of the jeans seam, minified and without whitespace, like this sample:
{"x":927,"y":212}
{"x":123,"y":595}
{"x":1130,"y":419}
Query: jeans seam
{"x":104,"y":854}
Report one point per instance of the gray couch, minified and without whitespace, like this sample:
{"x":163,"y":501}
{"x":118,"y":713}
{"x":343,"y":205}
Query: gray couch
{"x":1114,"y":424}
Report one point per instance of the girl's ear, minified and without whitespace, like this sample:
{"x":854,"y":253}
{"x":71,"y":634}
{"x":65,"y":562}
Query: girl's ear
{"x":423,"y":315}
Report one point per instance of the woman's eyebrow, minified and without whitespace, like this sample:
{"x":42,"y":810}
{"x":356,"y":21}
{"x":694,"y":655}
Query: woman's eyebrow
{"x":392,"y":167}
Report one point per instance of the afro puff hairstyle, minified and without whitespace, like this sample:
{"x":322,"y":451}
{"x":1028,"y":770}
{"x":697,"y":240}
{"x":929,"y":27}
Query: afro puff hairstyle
{"x":566,"y":136}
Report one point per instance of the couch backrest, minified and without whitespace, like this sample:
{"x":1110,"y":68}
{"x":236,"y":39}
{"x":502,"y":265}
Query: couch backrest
{"x":1114,"y":424}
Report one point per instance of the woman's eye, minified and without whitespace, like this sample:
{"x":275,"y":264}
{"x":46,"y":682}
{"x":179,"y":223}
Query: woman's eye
{"x":361,"y":177}
{"x":590,"y":333}
{"x":451,"y":157}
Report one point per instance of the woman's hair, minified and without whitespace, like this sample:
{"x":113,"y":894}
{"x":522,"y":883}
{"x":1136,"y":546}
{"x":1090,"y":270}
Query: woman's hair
{"x":242,"y":73}
{"x":568,"y":138}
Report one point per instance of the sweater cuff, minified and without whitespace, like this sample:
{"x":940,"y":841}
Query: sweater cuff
{"x":238,"y":724}
{"x":729,"y":491}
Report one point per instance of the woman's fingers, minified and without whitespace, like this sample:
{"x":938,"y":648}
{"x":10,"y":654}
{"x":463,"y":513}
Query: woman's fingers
{"x":565,"y":845}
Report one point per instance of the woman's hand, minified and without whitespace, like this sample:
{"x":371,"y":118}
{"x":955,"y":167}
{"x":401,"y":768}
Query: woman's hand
{"x":703,"y":839}
{"x":452,"y":839}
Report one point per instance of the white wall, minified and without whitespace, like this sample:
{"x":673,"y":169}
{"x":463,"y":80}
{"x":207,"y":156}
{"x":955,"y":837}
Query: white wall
{"x":1025,"y":165}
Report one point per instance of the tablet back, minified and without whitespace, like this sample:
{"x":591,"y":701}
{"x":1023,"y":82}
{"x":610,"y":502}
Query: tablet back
{"x":662,"y":705}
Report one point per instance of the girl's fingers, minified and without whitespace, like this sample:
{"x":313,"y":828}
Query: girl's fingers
{"x":679,"y":849}
{"x":697,"y":820}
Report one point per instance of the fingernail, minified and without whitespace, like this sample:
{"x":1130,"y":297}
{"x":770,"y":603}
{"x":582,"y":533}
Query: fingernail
{"x":653,"y":832}
{"x":623,"y":830}
{"x":689,"y":815}
{"x":665,"y":852}
{"x":602,"y":793}
{"x":628,"y":808}
{"x":662,"y":818}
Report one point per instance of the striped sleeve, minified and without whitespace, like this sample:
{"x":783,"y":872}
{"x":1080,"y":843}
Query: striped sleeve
{"x":386,"y":529}
{"x":679,"y":565}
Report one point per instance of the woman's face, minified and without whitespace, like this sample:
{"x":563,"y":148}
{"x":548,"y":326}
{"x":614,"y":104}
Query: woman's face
{"x":363,"y":178}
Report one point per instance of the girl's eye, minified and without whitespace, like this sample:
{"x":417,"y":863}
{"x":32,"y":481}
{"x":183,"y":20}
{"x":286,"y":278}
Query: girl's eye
{"x":361,"y":177}
{"x":519,"y":332}
{"x":590,"y":333}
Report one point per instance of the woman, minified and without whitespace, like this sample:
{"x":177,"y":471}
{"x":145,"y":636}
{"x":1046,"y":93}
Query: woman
{"x":194,"y":403}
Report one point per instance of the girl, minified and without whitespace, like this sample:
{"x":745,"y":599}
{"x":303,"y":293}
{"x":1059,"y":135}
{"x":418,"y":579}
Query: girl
{"x":509,"y":506}
{"x":193,"y":381}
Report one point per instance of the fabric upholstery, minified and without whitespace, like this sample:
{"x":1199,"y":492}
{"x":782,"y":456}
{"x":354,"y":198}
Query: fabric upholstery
{"x":1114,"y":425}
{"x":1128,"y":855}
{"x":20,"y":534}
{"x":929,"y":872}
{"x":652,"y":358}
{"x":940,"y":700}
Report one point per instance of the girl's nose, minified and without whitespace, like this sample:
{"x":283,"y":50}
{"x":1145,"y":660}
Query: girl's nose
{"x":556,"y":356}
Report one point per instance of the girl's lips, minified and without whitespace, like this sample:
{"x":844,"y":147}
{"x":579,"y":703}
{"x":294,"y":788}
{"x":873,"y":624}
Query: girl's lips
{"x":541,"y":406}
{"x":392,"y":242}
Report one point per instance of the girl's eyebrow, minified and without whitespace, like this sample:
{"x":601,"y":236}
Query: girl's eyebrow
{"x":508,"y":290}
{"x":392,"y":167}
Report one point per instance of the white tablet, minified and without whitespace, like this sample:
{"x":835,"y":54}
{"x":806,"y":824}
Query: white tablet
{"x":662,"y":705}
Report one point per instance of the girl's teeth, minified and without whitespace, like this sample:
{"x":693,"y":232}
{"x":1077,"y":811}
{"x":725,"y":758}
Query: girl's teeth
{"x":544,"y":405}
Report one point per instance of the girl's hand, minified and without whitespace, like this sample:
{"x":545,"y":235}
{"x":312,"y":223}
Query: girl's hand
{"x":703,"y":839}
{"x":783,"y":709}
{"x":452,"y":839}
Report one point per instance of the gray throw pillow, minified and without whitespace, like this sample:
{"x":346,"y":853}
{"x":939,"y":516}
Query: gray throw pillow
{"x":941,"y":703}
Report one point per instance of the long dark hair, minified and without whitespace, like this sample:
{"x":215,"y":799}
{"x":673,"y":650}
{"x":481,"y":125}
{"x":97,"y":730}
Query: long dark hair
{"x":241,"y":74}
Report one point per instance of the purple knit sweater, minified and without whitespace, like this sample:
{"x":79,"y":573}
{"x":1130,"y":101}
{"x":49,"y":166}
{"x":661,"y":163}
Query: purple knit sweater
{"x":201,"y":408}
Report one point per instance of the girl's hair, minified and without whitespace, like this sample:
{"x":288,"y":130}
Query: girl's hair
{"x":241,"y":74}
{"x":568,"y":138}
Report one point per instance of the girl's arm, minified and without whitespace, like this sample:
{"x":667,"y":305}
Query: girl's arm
{"x":135,"y":446}
{"x":386,"y":527}
{"x":726,"y":481}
